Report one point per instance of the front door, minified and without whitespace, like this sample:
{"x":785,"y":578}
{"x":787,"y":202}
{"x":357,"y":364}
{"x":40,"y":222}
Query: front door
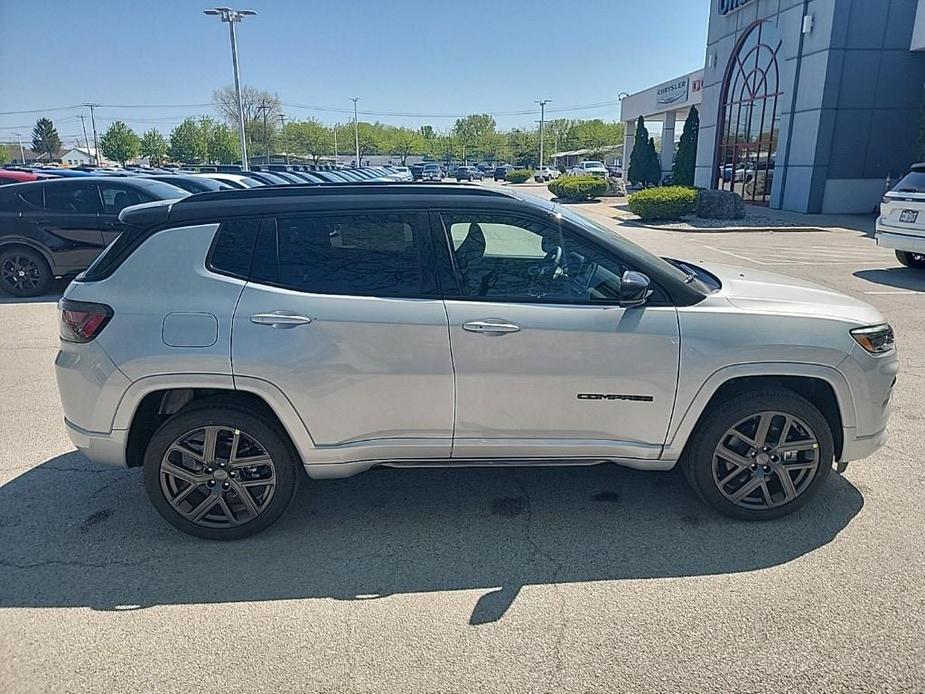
{"x":342,"y":315}
{"x":547,"y":362}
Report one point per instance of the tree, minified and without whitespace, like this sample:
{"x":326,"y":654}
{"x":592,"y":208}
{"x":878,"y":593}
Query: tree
{"x":403,"y":142}
{"x":307,"y":138}
{"x":187,"y":144}
{"x":4,"y":155}
{"x":427,"y":132}
{"x":471,"y":131}
{"x":640,"y":161}
{"x":119,"y":142}
{"x":686,"y":159}
{"x":155,"y":147}
{"x":45,"y":138}
{"x":524,"y":146}
{"x":597,"y":134}
{"x":223,"y":144}
{"x":370,"y":139}
{"x":252,"y":99}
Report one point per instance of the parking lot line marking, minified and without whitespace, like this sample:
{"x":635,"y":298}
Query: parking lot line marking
{"x":736,"y":255}
{"x":895,"y":291}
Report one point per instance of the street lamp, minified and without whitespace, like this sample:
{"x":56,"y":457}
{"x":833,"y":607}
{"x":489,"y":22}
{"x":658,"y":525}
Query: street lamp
{"x":356,"y":127}
{"x":233,"y":17}
{"x":542,"y":104}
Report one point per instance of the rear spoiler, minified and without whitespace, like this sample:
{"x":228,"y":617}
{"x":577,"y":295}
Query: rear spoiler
{"x":147,"y":213}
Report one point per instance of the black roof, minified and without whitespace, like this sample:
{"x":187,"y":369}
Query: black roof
{"x":299,"y":198}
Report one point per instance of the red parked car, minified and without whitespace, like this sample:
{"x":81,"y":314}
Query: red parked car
{"x":8,"y":176}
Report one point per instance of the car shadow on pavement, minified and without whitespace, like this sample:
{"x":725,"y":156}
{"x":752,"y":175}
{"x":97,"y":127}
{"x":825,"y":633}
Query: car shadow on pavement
{"x":74,"y":534}
{"x":899,"y":277}
{"x":56,"y":290}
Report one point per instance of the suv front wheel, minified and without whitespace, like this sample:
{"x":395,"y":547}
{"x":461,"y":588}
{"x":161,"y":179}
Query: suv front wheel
{"x":760,"y":455}
{"x":219,"y":472}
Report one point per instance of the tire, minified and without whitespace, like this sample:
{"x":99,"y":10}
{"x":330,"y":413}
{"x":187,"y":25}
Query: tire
{"x":913,"y":260}
{"x":24,"y":272}
{"x":718,"y":477}
{"x":258,"y":440}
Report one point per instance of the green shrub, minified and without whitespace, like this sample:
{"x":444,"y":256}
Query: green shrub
{"x":518,"y":176}
{"x":577,"y":187}
{"x":670,"y":202}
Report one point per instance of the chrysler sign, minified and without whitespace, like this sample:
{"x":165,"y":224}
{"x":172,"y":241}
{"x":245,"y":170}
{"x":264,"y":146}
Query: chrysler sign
{"x":724,"y":7}
{"x":672,"y":92}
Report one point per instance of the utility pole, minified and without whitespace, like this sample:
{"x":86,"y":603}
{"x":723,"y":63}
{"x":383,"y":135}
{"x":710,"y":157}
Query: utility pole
{"x":232,"y":17}
{"x":96,"y":145}
{"x":83,"y":124}
{"x":542,"y":104}
{"x":282,"y":124}
{"x":264,"y":107}
{"x":335,"y":144}
{"x":356,"y":129}
{"x":22,"y":152}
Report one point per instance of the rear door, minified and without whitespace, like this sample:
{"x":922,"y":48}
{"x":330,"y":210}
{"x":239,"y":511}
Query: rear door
{"x":342,"y":314}
{"x":69,"y":223}
{"x":547,"y":362}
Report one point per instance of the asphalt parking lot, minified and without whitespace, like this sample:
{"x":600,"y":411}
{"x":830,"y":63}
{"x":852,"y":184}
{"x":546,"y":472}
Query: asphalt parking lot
{"x":551,"y":580}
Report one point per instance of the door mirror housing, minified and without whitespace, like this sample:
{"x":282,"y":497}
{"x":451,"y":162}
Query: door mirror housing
{"x":634,"y":289}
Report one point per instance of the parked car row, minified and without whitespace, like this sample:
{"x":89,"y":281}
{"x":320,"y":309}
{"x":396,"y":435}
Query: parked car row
{"x":55,"y":222}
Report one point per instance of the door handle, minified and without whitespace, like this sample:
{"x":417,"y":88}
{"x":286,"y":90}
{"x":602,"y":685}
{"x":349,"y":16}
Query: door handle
{"x":490,"y":326}
{"x":280,"y":319}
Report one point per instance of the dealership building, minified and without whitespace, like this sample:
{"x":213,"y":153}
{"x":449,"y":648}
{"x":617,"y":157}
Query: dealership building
{"x":805,"y":105}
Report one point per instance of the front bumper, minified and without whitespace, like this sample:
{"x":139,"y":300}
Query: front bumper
{"x":859,"y":447}
{"x":106,"y":449}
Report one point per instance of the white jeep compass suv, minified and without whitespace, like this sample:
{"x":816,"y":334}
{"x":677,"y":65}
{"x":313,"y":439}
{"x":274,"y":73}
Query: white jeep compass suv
{"x":229,"y":340}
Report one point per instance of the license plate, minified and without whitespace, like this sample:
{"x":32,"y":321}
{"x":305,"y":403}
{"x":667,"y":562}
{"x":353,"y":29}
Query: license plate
{"x":908,"y":216}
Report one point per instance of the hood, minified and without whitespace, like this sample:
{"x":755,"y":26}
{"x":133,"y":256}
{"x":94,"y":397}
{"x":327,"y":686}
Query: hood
{"x":768,"y":292}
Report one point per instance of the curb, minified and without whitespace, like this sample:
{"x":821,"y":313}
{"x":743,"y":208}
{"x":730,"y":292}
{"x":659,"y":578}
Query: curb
{"x":718,"y":230}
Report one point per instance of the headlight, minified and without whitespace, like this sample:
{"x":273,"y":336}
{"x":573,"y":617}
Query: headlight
{"x":876,"y":339}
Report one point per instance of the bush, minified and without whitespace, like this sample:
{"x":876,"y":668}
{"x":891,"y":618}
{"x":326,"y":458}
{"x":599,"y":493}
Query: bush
{"x":577,"y":187}
{"x":670,"y":202}
{"x":518,"y":176}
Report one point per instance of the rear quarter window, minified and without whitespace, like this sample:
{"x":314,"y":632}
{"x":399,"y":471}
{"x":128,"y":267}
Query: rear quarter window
{"x":233,"y":247}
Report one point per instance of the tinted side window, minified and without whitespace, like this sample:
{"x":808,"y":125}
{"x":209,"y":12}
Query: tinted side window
{"x":376,"y":254}
{"x":32,"y":199}
{"x":116,"y":197}
{"x":233,"y":248}
{"x":77,"y":198}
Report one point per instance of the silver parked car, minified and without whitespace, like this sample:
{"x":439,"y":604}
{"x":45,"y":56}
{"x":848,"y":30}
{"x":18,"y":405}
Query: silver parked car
{"x":231,"y":341}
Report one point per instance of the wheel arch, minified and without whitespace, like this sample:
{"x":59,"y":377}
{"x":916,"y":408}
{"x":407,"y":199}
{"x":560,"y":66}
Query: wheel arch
{"x":144,"y":410}
{"x":825,"y":387}
{"x":8,"y":242}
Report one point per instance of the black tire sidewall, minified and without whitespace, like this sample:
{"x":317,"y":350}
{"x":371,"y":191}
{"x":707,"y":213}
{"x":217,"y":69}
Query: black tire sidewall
{"x":907,"y":259}
{"x":39,"y":260}
{"x":699,"y":458}
{"x":269,"y":435}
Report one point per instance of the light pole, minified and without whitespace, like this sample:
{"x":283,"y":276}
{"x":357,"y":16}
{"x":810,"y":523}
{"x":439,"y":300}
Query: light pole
{"x":96,"y":144}
{"x":356,"y":128}
{"x":335,"y":144}
{"x":22,"y":152}
{"x":542,"y":104}
{"x":233,"y":17}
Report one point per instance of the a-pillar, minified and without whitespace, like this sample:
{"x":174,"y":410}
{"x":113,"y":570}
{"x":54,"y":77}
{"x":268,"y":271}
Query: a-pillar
{"x":668,"y":141}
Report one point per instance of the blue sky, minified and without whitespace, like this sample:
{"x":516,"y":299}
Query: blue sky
{"x":399,"y":56}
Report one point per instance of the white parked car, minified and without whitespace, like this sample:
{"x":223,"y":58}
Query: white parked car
{"x":901,"y":224}
{"x":232,"y":179}
{"x":230,"y":342}
{"x":401,"y":173}
{"x":589,"y":168}
{"x":545,"y":173}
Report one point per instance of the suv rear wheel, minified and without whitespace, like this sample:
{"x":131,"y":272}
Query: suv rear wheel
{"x":24,"y":272}
{"x":916,"y":260}
{"x":760,"y":455}
{"x":219,"y":473}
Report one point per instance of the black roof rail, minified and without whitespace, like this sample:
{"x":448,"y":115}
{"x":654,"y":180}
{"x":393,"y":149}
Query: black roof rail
{"x":324,"y":189}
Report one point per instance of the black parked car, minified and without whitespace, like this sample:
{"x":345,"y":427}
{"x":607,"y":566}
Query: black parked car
{"x":57,"y":227}
{"x":191,"y":184}
{"x":502,"y":171}
{"x":417,"y":171}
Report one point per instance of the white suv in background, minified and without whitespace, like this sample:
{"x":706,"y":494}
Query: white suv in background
{"x":545,"y":173}
{"x":232,"y":341}
{"x":901,"y":224}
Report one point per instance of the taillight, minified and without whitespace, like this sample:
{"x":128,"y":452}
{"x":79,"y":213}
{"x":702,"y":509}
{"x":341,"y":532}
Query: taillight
{"x":81,"y":321}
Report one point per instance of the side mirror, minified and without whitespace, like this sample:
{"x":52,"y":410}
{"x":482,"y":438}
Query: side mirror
{"x":634,"y":289}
